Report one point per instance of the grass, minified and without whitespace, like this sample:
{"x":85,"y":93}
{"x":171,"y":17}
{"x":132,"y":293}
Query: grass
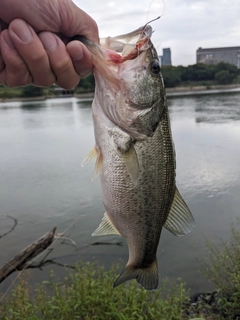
{"x":6,"y":92}
{"x":87,"y":293}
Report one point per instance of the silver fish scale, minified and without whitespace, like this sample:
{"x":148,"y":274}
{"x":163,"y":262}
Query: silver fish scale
{"x":139,"y":212}
{"x":136,"y":156}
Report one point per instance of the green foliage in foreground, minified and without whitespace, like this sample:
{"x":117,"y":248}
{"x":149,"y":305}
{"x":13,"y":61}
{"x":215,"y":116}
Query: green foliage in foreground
{"x":223,"y":269}
{"x":87,"y":293}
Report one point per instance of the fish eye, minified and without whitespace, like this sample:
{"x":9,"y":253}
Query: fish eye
{"x":155,"y":67}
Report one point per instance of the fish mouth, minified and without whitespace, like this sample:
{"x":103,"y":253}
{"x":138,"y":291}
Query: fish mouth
{"x":127,"y":46}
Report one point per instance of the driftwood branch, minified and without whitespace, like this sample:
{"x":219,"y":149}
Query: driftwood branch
{"x":23,"y":260}
{"x":20,"y":261}
{"x":15,"y":222}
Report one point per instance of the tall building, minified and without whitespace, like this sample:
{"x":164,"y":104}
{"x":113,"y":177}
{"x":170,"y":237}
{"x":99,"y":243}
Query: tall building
{"x":216,"y":55}
{"x":166,"y":59}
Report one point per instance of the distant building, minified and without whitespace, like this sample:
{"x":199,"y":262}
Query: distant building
{"x":166,"y":59}
{"x":216,"y":55}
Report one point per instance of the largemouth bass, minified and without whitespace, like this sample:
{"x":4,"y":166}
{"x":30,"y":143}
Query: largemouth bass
{"x":135,"y":152}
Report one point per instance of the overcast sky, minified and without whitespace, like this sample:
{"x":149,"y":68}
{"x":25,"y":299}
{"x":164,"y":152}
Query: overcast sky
{"x":185,"y":25}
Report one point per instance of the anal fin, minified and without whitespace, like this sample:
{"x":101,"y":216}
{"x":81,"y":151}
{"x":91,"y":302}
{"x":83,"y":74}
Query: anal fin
{"x":106,"y":227}
{"x":180,"y":221}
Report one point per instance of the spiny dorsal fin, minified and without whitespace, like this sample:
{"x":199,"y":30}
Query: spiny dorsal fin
{"x":180,"y":220}
{"x":91,"y":156}
{"x":105,"y":227}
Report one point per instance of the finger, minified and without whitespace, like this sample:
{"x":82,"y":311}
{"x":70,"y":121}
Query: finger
{"x":2,"y":27}
{"x":13,"y":70}
{"x":81,"y":57}
{"x":31,"y":50}
{"x":60,"y":60}
{"x":2,"y":64}
{"x":80,"y":24}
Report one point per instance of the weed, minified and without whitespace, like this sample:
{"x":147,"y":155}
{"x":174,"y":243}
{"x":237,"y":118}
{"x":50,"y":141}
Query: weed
{"x":223,"y":269}
{"x":87,"y":294}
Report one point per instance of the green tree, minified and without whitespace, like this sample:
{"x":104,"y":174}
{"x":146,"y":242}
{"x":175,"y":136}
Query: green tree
{"x":86,"y":84}
{"x":227,"y":66}
{"x":224,"y":77}
{"x":32,"y":91}
{"x":171,"y":76}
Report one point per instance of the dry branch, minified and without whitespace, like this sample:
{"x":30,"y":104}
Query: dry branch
{"x":20,"y":261}
{"x":15,"y":222}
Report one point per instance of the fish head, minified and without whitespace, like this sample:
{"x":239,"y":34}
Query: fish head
{"x":129,"y":84}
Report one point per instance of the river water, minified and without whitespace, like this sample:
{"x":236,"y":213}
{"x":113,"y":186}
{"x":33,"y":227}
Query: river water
{"x":42,"y":183}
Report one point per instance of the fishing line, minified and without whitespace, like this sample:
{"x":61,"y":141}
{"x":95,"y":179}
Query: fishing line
{"x":148,"y":11}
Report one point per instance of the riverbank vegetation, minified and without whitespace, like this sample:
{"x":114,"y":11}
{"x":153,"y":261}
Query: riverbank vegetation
{"x":87,"y":293}
{"x":86,"y":85}
{"x":194,"y":75}
{"x":201,"y":74}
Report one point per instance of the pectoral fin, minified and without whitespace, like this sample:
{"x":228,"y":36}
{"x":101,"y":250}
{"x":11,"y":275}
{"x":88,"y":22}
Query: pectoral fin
{"x":131,"y":161}
{"x":125,"y":148}
{"x":95,"y":153}
{"x":106,"y":227}
{"x":180,"y":220}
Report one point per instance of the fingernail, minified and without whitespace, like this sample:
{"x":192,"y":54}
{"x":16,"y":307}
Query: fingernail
{"x":22,"y":31}
{"x":86,"y":73}
{"x":49,"y":41}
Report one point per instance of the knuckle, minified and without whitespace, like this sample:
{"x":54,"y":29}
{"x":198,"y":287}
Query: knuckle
{"x":22,"y":79}
{"x":38,"y":57}
{"x":63,"y":64}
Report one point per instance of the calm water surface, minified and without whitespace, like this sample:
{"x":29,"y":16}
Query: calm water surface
{"x":42,"y":183}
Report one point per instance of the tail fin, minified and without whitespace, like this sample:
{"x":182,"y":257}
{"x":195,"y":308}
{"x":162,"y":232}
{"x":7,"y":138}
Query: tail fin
{"x":147,"y":277}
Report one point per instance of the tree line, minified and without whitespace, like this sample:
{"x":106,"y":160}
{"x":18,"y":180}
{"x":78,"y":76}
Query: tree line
{"x":221,"y":73}
{"x":196,"y":74}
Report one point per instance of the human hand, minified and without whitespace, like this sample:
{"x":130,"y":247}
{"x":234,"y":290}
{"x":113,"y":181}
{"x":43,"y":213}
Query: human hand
{"x":36,"y":48}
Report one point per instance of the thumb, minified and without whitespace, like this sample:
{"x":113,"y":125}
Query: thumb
{"x":75,"y":21}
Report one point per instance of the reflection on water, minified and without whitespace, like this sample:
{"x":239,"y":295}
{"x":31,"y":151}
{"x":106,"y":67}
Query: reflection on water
{"x":43,"y":184}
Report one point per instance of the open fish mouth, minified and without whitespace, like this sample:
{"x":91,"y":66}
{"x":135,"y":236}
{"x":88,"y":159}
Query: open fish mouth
{"x":128,"y":46}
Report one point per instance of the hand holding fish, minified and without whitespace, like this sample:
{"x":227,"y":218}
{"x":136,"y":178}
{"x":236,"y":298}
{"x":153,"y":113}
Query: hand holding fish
{"x":34,"y":43}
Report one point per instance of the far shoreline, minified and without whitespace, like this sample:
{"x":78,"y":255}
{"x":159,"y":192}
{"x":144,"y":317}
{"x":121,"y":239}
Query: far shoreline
{"x":170,"y":92}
